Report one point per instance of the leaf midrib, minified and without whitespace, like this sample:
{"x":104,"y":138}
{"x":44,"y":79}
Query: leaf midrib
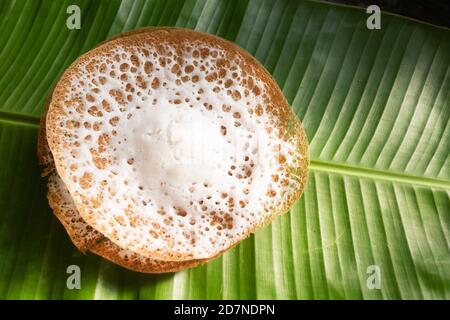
{"x":19,"y":119}
{"x":317,"y":165}
{"x":377,"y":174}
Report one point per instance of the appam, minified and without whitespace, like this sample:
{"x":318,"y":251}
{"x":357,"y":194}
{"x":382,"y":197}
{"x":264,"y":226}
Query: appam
{"x":175,"y":144}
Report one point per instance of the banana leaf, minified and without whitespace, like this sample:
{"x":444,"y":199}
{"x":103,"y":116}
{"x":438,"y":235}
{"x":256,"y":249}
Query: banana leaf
{"x":376,"y":108}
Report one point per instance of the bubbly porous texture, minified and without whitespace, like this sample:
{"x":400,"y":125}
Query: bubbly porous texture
{"x":175,"y":144}
{"x":86,"y":238}
{"x":82,"y":235}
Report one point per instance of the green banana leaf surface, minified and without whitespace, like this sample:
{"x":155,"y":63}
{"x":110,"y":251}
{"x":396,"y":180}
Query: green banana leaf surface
{"x":376,"y":108}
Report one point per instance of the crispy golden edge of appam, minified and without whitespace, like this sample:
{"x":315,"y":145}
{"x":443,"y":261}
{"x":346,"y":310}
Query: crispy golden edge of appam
{"x":287,"y":122}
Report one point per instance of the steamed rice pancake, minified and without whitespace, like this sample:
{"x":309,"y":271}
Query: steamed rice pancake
{"x":175,"y":144}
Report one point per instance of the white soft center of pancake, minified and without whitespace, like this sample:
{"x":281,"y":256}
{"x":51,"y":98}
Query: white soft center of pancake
{"x":178,"y":145}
